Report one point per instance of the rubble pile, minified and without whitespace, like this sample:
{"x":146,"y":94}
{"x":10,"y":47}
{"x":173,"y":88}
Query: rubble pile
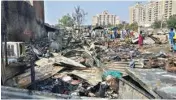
{"x":152,"y":39}
{"x":74,"y":78}
{"x":171,"y":65}
{"x":73,"y":68}
{"x":78,"y":67}
{"x":34,"y":50}
{"x":120,"y":53}
{"x":160,"y":60}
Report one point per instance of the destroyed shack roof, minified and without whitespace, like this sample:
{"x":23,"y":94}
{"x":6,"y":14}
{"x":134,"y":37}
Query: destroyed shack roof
{"x":114,"y":28}
{"x":98,"y":27}
{"x":50,"y":28}
{"x":158,"y":82}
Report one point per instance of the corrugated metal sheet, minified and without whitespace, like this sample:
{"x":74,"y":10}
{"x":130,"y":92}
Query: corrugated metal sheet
{"x":158,"y":82}
{"x":130,"y":89}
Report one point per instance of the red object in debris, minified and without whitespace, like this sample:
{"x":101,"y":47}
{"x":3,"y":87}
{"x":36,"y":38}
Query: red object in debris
{"x":75,"y":82}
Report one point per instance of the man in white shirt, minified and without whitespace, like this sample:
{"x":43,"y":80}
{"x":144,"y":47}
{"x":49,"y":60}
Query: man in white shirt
{"x":93,"y":34}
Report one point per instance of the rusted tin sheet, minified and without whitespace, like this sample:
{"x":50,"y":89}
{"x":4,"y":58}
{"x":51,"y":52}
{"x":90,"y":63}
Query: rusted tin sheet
{"x":42,"y":73}
{"x":129,"y":89}
{"x":157,"y":82}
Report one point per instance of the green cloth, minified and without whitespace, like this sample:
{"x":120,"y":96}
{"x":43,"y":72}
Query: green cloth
{"x":113,"y":73}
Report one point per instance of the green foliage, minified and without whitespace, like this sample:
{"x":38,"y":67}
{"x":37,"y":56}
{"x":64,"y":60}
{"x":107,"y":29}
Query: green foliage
{"x":120,"y":26}
{"x":66,"y":20}
{"x":127,"y":26}
{"x":171,"y":22}
{"x":159,"y":24}
{"x":110,"y":26}
{"x":156,"y":24}
{"x":133,"y":26}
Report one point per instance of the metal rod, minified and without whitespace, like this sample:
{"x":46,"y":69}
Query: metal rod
{"x":32,"y":67}
{"x":2,"y":63}
{"x":33,"y":76}
{"x":4,"y":44}
{"x":5,"y":48}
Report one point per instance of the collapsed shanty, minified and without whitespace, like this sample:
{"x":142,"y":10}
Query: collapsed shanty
{"x":76,"y":67}
{"x":65,"y":64}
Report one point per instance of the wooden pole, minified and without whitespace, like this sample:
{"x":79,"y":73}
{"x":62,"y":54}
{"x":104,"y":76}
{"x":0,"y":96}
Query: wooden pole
{"x":32,"y":67}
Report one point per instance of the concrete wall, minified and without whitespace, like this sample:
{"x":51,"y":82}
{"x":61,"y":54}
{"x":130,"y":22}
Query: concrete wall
{"x":20,"y":18}
{"x":39,"y":10}
{"x":40,"y":18}
{"x":20,"y":21}
{"x":128,"y":92}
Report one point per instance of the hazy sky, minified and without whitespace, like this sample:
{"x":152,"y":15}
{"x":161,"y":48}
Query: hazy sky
{"x":56,"y":9}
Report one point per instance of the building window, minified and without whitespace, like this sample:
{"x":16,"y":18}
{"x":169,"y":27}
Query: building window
{"x":170,"y":2}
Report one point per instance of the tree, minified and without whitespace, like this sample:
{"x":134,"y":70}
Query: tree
{"x":78,"y":16}
{"x":127,"y":26}
{"x":66,"y":20}
{"x":133,"y":26}
{"x":171,"y":22}
{"x":109,"y":25}
{"x":157,"y":24}
{"x":120,"y":26}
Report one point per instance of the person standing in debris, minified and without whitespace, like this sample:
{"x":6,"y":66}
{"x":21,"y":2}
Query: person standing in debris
{"x":174,"y":43}
{"x":121,"y":35}
{"x":115,"y":33}
{"x":112,"y":35}
{"x":93,"y":34}
{"x":140,"y":40}
{"x":131,"y":34}
{"x":102,"y":33}
{"x":171,"y":36}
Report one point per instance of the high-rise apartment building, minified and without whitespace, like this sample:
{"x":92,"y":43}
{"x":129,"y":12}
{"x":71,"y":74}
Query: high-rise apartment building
{"x":146,"y":14}
{"x":137,"y":13}
{"x":105,"y":19}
